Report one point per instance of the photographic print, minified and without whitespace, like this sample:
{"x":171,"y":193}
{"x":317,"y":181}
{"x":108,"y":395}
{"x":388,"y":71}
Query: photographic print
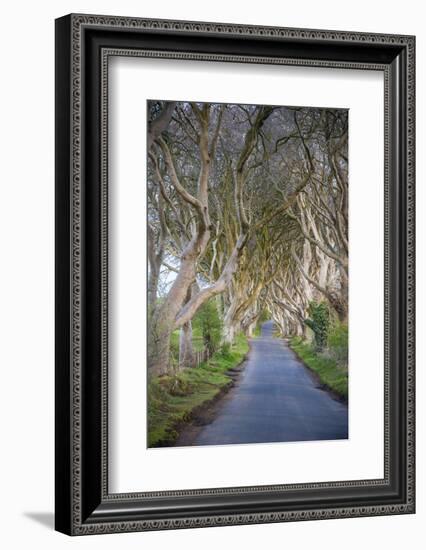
{"x":247,"y":230}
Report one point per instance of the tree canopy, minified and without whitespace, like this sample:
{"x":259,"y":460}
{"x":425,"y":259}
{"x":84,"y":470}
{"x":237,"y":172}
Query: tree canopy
{"x":247,"y":210}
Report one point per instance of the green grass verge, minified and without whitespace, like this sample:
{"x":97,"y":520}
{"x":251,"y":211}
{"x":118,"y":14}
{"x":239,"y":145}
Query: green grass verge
{"x":257,"y":331}
{"x":328,"y":370}
{"x":173,"y":399}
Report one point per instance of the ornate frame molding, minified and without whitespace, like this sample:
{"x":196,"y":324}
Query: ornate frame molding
{"x":72,"y":47}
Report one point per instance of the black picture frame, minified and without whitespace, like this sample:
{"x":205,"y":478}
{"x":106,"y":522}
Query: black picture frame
{"x":83,"y":504}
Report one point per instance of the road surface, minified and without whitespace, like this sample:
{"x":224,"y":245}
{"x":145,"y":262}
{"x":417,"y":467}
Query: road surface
{"x":276,"y":399}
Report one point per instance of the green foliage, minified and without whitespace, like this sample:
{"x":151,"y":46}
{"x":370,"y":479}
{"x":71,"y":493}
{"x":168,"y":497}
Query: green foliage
{"x":264,"y":316}
{"x":338,"y":342}
{"x":172,"y":400}
{"x":329,"y":371}
{"x":208,"y":322}
{"x":225,"y":349}
{"x":257,"y":331}
{"x":319,"y":323}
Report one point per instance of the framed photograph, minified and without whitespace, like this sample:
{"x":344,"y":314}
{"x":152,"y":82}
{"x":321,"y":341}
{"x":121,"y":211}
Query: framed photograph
{"x":234,"y":274}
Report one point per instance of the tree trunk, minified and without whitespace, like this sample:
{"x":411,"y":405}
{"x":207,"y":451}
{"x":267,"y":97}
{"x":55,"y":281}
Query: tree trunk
{"x":186,"y":350}
{"x":229,"y":332}
{"x":153,"y":278}
{"x":163,"y":321}
{"x":159,"y":334}
{"x":230,"y":325}
{"x":250,"y":329}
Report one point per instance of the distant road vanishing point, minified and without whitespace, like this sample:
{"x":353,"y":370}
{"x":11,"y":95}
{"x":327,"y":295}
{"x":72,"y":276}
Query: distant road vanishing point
{"x":276,"y":399}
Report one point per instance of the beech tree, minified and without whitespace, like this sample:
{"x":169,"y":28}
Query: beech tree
{"x":247,"y":206}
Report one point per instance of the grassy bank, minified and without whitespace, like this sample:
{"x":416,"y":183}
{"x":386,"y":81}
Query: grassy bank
{"x":329,"y":371}
{"x":174,"y":399}
{"x":257,"y":331}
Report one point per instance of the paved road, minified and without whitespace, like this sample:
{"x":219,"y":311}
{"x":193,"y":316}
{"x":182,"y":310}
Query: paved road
{"x":276,"y":399}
